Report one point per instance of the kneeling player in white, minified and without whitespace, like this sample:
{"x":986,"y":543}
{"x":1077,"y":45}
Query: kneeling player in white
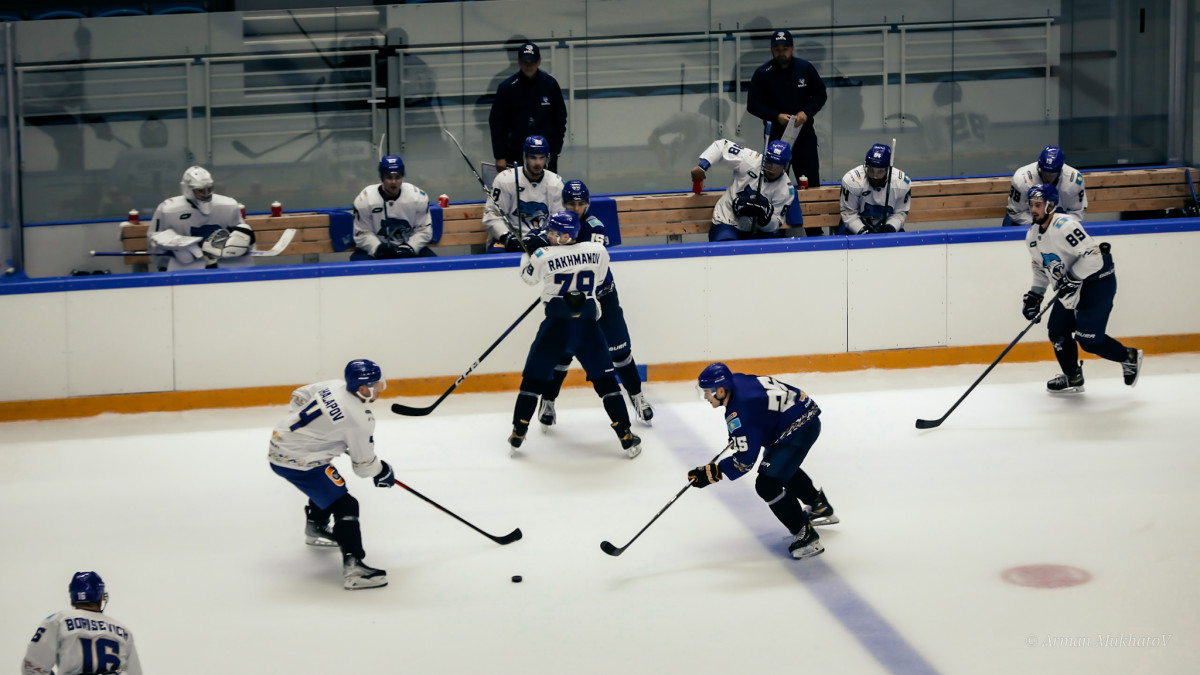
{"x":751,"y":208}
{"x":325,"y":420}
{"x":569,"y":272}
{"x":391,"y":218}
{"x":199,"y":229}
{"x":82,"y":639}
{"x":1086,"y":283}
{"x":875,"y":195}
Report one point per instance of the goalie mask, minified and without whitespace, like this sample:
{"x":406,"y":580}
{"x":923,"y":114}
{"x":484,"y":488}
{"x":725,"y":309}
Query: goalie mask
{"x":197,"y":188}
{"x":878,"y":165}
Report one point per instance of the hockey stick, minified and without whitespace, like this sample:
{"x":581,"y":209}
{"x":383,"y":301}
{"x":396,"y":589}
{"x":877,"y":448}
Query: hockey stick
{"x":1191,"y":208}
{"x":486,"y":192}
{"x":932,"y":424}
{"x":419,"y":412}
{"x":284,"y":239}
{"x":607,"y":546}
{"x":506,"y":539}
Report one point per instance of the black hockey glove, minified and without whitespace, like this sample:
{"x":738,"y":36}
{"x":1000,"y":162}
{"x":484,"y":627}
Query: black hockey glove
{"x":536,"y":239}
{"x":388,"y":250}
{"x":1067,"y":284}
{"x":869,"y":227}
{"x":405,"y":251}
{"x":385,"y":478}
{"x":512,"y":244}
{"x":1033,"y":305}
{"x":703,"y":476}
{"x":885,"y":229}
{"x":755,"y":208}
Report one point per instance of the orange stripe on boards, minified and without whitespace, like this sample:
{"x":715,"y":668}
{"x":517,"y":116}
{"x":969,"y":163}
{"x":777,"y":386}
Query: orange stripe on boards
{"x":170,"y":401}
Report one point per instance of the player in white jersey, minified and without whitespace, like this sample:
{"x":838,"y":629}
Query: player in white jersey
{"x":199,"y":229}
{"x":82,"y":639}
{"x":751,"y":208}
{"x":1048,"y":169}
{"x":875,"y":195}
{"x":325,"y":420}
{"x":391,"y":218}
{"x":1085,"y":280}
{"x":570,"y":273}
{"x":506,"y":220}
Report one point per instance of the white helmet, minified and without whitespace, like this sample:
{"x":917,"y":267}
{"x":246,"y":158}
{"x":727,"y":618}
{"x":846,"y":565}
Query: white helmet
{"x":197,"y":187}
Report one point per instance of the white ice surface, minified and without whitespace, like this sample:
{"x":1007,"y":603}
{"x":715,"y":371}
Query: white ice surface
{"x":201,"y":544}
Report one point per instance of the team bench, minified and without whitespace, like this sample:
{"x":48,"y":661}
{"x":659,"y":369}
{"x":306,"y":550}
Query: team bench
{"x":674,"y":215}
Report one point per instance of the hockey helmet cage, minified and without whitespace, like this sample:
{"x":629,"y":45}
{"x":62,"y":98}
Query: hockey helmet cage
{"x":197,"y":185}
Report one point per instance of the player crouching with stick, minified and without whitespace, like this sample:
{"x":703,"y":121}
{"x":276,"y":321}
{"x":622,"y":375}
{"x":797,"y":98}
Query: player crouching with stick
{"x":761,"y":411}
{"x":570,"y":271}
{"x":326,"y":419}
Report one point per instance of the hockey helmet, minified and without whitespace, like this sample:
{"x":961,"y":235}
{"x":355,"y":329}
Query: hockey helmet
{"x":879,"y":156}
{"x":575,"y":191}
{"x":197,"y":185}
{"x":778,"y":152}
{"x":536,"y":145}
{"x":1050,"y":163}
{"x":390,"y":164}
{"x":361,"y":372}
{"x":564,"y":222}
{"x":87,"y":587}
{"x":714,"y":376}
{"x":1045,"y":192}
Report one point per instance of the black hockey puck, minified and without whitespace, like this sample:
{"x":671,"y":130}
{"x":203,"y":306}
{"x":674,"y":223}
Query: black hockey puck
{"x":516,"y":578}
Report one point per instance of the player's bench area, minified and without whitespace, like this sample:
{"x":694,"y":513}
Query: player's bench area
{"x":674,"y":215}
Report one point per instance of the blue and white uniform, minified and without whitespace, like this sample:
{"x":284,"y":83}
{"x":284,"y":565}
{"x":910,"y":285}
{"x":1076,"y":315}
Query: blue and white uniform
{"x":1071,"y":194}
{"x":1063,"y":248}
{"x":862,"y":204}
{"x":538,"y":201}
{"x":746,"y":164}
{"x":180,"y":226}
{"x":403,"y":220}
{"x":324,"y":421}
{"x":81,"y":641}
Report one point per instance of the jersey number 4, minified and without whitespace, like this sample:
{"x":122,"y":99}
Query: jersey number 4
{"x":306,"y":416}
{"x":779,"y":397}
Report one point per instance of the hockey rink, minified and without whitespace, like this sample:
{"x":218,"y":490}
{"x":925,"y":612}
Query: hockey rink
{"x":201,"y":545}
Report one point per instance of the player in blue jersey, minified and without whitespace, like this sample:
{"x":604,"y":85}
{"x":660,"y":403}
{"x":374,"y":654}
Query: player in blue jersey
{"x":762,"y":412}
{"x":576,"y":199}
{"x":570,"y":272}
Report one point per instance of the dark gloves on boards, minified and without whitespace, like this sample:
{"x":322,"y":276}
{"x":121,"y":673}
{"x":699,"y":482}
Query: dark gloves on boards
{"x":1033,"y":304}
{"x":385,"y":478}
{"x":754,"y":208}
{"x":703,"y":476}
{"x":390,"y":250}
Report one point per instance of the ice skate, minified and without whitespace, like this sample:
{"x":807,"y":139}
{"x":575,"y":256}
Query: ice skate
{"x":317,"y":533}
{"x":641,"y":409}
{"x":358,"y":575}
{"x":1132,"y":367}
{"x":546,"y":414}
{"x":514,"y":441}
{"x":1070,"y":384}
{"x":806,"y":543}
{"x":821,"y":512}
{"x":631,"y":444}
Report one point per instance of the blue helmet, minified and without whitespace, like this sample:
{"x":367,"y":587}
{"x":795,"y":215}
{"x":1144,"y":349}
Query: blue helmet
{"x":779,"y":152}
{"x":564,"y":222}
{"x":575,"y":191}
{"x":391,"y":164}
{"x":537,"y":145}
{"x":360,"y":372}
{"x":879,"y":156}
{"x":1050,"y":161}
{"x":715,"y":375}
{"x":1044,"y":191}
{"x":86,"y":587}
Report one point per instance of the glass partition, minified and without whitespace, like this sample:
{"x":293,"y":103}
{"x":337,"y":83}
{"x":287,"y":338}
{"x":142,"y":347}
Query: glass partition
{"x":10,"y":232}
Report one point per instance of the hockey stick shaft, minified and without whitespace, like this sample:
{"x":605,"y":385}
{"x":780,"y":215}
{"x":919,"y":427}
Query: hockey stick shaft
{"x":506,"y":539}
{"x":1187,"y":174}
{"x":931,"y":424}
{"x":487,"y":194}
{"x":466,"y":159}
{"x":419,"y":412}
{"x":284,"y":239}
{"x":608,"y":548}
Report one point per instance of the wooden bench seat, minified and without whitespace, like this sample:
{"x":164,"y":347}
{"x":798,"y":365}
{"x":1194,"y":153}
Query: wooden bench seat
{"x":686,"y":213}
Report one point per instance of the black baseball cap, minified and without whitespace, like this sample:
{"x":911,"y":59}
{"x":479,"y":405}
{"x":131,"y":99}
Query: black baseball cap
{"x":781,"y":37}
{"x":529,"y":52}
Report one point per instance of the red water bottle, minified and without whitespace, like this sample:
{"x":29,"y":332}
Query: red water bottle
{"x":697,"y":186}
{"x":242,"y":209}
{"x":443,"y":201}
{"x":803,"y":182}
{"x":276,"y":209}
{"x":134,"y":217}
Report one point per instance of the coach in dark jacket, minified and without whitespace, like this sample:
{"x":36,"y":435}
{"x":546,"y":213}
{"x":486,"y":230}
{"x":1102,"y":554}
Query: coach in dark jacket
{"x":527,"y":103}
{"x":787,"y":87}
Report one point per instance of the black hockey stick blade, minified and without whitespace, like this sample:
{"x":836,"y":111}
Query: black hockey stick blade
{"x":930,"y":424}
{"x":608,"y":548}
{"x":421,"y":412}
{"x":508,"y":538}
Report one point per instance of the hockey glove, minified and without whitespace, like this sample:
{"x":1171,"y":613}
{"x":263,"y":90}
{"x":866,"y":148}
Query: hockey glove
{"x":869,"y":227}
{"x":885,"y":229}
{"x":1067,"y":284}
{"x":214,"y":245}
{"x":512,"y":244}
{"x":405,"y":251}
{"x":755,"y":209}
{"x":536,"y":239}
{"x":385,"y":478}
{"x":703,"y":476}
{"x":1033,"y":304}
{"x":388,"y":250}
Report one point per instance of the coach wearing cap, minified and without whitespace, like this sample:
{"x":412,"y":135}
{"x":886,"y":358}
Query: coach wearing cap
{"x":527,"y":103}
{"x":784,"y":88}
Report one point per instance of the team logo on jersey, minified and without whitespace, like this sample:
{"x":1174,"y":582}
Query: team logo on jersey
{"x":800,"y":83}
{"x":184,"y":216}
{"x":377,"y":209}
{"x":334,"y":476}
{"x":545,"y":100}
